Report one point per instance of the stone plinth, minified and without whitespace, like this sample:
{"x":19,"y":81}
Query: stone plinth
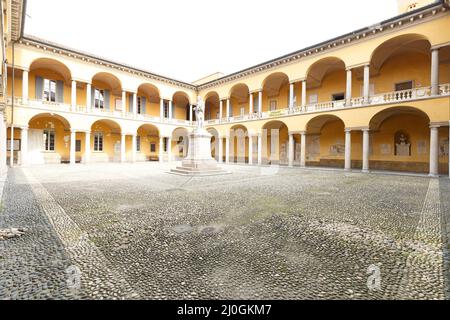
{"x":199,"y":161}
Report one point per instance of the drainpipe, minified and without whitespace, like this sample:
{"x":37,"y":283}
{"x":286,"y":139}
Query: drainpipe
{"x":11,"y":158}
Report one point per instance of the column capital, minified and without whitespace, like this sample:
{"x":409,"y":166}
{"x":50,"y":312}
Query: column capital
{"x":348,"y":129}
{"x":435,"y":126}
{"x":22,"y":127}
{"x":365,"y":129}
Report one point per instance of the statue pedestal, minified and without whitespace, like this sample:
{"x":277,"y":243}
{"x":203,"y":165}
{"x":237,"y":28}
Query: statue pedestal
{"x":199,"y":161}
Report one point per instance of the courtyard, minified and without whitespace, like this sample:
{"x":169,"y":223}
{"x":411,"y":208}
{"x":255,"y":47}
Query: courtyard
{"x":133,"y":231}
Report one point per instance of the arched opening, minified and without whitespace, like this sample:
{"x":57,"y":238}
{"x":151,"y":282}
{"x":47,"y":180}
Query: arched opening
{"x":275,"y":91}
{"x":180,"y":105}
{"x":275,"y":143}
{"x":325,"y":142}
{"x":214,"y":143}
{"x":239,"y":100}
{"x":106,"y":141}
{"x":326,"y":81}
{"x":48,"y":80}
{"x":48,"y":140}
{"x":106,"y":93}
{"x":147,"y":143}
{"x":400,"y":141}
{"x":148,"y":100}
{"x":238,"y":144}
{"x":180,"y":144}
{"x":212,"y":106}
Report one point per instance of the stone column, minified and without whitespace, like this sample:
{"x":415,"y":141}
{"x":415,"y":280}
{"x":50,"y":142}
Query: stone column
{"x":303,"y":150}
{"x":72,"y":146}
{"x":250,"y":103}
{"x":291,"y":150}
{"x":123,"y":148}
{"x":87,"y":147}
{"x":124,"y":103}
{"x":366,"y":141}
{"x":3,"y":142}
{"x":304,"y":95}
{"x":227,"y":149}
{"x":161,"y":150}
{"x":133,"y":148}
{"x":88,"y":97}
{"x":260,"y":98}
{"x":170,"y":110}
{"x":74,"y":95}
{"x":259,"y":149}
{"x":220,"y":151}
{"x":228,"y":108}
{"x":161,"y":109}
{"x":134,"y":104}
{"x":190,"y":113}
{"x":11,"y":147}
{"x":348,"y":149}
{"x":169,"y":149}
{"x":250,"y":149}
{"x":220,"y":109}
{"x":348,"y":91}
{"x":366,"y":83}
{"x":434,"y":72}
{"x":434,"y":151}
{"x":291,"y":96}
{"x":24,"y":145}
{"x":25,"y":86}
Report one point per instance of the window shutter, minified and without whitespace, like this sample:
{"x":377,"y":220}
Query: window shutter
{"x":130,"y":103}
{"x":106,"y":99}
{"x":231,"y":109}
{"x":39,"y":87}
{"x":60,"y":91}
{"x":143,"y":105}
{"x":92,"y":97}
{"x":173,"y":110}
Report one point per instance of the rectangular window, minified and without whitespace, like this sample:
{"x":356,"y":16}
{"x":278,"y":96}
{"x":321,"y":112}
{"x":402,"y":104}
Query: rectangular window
{"x":407,"y":85}
{"x":98,"y":142}
{"x":166,"y":109}
{"x":152,"y":147}
{"x":49,"y":140}
{"x":273,"y":105}
{"x":338,"y":96}
{"x":313,"y":98}
{"x":99,"y":99}
{"x":138,"y":143}
{"x":165,"y":144}
{"x":242,"y":111}
{"x":78,"y":146}
{"x":139,"y":108}
{"x":49,"y":90}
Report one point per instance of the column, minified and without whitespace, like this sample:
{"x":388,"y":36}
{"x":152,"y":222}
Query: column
{"x":134,"y":104}
{"x":190,"y":113}
{"x":220,"y":109}
{"x":24,"y":145}
{"x":260,"y":96}
{"x":161,"y":150}
{"x":72,"y":146}
{"x":228,"y":108}
{"x":259,"y":149}
{"x":304,"y":95}
{"x":348,"y":92}
{"x":169,"y":149}
{"x":303,"y":150}
{"x":434,"y":151}
{"x":291,"y":96}
{"x":11,"y":147}
{"x":133,"y":148}
{"x":291,"y":150}
{"x":25,"y":86}
{"x":250,"y":103}
{"x":88,"y":97}
{"x":122,"y":148}
{"x":170,"y":109}
{"x":220,"y":149}
{"x":366,"y":83}
{"x":250,"y":149}
{"x":87,"y":147}
{"x":365,"y":162}
{"x":3,"y":142}
{"x":434,"y":72}
{"x":74,"y":95}
{"x":227,"y":149}
{"x":124,"y":104}
{"x":161,"y":109}
{"x":348,"y":149}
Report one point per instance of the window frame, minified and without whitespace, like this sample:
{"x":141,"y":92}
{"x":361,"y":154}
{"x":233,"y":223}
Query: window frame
{"x":49,"y":97}
{"x":98,"y":141}
{"x":47,"y":140}
{"x":99,"y":103}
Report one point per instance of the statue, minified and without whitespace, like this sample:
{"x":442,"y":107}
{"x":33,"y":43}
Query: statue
{"x":200,"y":113}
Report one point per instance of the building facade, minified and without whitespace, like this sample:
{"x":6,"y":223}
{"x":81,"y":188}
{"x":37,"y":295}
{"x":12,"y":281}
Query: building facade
{"x":375,"y":99}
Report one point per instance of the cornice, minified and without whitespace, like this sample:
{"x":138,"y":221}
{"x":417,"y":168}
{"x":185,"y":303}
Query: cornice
{"x":17,"y":16}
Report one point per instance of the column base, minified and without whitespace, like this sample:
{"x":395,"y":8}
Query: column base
{"x":433,"y":175}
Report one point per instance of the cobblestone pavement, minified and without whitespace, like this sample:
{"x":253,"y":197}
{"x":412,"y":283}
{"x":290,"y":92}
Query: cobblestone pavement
{"x":136,"y":232}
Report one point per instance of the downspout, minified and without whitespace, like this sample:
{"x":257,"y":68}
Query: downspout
{"x":11,"y":158}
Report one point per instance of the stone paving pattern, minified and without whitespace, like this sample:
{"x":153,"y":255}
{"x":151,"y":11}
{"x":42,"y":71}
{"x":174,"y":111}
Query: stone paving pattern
{"x":136,"y":232}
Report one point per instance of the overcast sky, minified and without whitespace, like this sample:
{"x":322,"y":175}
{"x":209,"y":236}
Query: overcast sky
{"x":189,"y":39}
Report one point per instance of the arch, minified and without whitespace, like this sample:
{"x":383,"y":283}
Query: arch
{"x":150,"y":90}
{"x":180,"y":143}
{"x":377,"y":120}
{"x":212,"y":105}
{"x":53,"y":65}
{"x":315,"y":125}
{"x":411,"y":42}
{"x":321,"y":68}
{"x":59,"y":117}
{"x":274,"y":124}
{"x":111,"y":123}
{"x":149,"y":128}
{"x":239,"y":91}
{"x":108,"y":79}
{"x":274,"y":81}
{"x":275,"y":141}
{"x":148,"y":149}
{"x":181,"y":103}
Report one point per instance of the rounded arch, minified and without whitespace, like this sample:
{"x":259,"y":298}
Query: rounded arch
{"x":115,"y":126}
{"x":274,"y":82}
{"x":53,"y":65}
{"x":318,"y":70}
{"x":59,"y":117}
{"x":212,"y":105}
{"x":239,"y":91}
{"x":213,"y":131}
{"x":377,"y":120}
{"x":274,"y":124}
{"x":150,"y":90}
{"x":149,"y":128}
{"x":181,"y":96}
{"x":108,"y":79}
{"x":315,"y":125}
{"x":411,"y":42}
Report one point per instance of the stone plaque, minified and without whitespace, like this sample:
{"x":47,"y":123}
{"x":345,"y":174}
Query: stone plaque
{"x":421,"y":147}
{"x":443,"y":147}
{"x":385,"y":149}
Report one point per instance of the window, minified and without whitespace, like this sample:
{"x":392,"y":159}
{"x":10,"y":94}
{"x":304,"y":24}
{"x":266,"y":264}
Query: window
{"x":338,"y":96}
{"x":49,"y":140}
{"x":139,"y":108}
{"x":407,"y":85}
{"x":138,"y":143}
{"x":99,"y":99}
{"x":166,"y":109}
{"x":49,"y":90}
{"x":98,"y":141}
{"x":152,"y":147}
{"x":273,"y":105}
{"x":78,"y":146}
{"x":165,"y":144}
{"x":242,"y":111}
{"x":313,"y":98}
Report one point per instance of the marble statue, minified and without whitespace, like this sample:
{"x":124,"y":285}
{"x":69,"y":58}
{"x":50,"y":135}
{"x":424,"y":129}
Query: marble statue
{"x":200,"y":113}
